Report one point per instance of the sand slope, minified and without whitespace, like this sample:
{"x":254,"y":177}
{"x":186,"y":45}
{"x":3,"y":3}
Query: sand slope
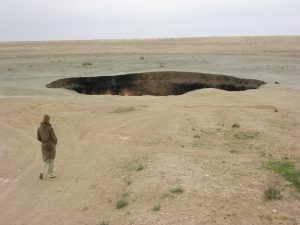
{"x":177,"y":141}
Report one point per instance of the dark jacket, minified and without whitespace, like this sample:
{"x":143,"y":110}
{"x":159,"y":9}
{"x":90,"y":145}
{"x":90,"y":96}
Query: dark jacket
{"x":46,"y":135}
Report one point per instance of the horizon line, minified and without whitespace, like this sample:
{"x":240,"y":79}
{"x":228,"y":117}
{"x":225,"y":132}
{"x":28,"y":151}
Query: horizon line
{"x":145,"y":39}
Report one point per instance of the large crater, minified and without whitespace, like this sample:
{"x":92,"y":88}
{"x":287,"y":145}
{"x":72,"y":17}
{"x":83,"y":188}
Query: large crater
{"x":154,"y":83}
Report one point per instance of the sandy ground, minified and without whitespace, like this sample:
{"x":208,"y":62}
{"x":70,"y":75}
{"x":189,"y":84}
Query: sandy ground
{"x":182,"y":141}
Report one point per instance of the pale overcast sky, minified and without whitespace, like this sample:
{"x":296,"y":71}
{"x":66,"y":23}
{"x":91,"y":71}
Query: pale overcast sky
{"x":103,"y":19}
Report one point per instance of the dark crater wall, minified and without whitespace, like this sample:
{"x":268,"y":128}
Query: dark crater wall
{"x":154,"y":83}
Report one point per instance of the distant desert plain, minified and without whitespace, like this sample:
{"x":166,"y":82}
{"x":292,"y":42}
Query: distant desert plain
{"x":208,"y":156}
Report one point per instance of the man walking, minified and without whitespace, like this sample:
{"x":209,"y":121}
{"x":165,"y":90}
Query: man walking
{"x":47,"y":137}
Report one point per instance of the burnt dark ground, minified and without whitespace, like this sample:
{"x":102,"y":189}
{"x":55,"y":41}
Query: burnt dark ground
{"x":154,"y":83}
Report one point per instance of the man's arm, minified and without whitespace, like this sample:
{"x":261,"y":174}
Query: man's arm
{"x":53,"y":136}
{"x":38,"y":135}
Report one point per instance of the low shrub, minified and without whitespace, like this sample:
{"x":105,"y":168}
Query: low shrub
{"x":121,"y":204}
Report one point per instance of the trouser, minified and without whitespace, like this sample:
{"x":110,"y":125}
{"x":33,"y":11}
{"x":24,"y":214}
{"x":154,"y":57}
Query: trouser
{"x":50,"y":164}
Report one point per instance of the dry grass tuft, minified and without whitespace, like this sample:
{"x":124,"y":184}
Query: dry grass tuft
{"x":177,"y":190}
{"x":123,"y":109}
{"x":87,"y":63}
{"x":156,"y":208}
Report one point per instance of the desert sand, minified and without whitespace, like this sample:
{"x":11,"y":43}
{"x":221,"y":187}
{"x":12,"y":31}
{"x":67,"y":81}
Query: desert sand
{"x":139,"y":148}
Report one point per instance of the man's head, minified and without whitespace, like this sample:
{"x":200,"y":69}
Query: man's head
{"x":46,"y":119}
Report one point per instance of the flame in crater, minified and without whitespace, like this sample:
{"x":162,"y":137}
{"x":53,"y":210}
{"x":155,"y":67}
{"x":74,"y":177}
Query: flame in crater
{"x":108,"y":92}
{"x":124,"y":92}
